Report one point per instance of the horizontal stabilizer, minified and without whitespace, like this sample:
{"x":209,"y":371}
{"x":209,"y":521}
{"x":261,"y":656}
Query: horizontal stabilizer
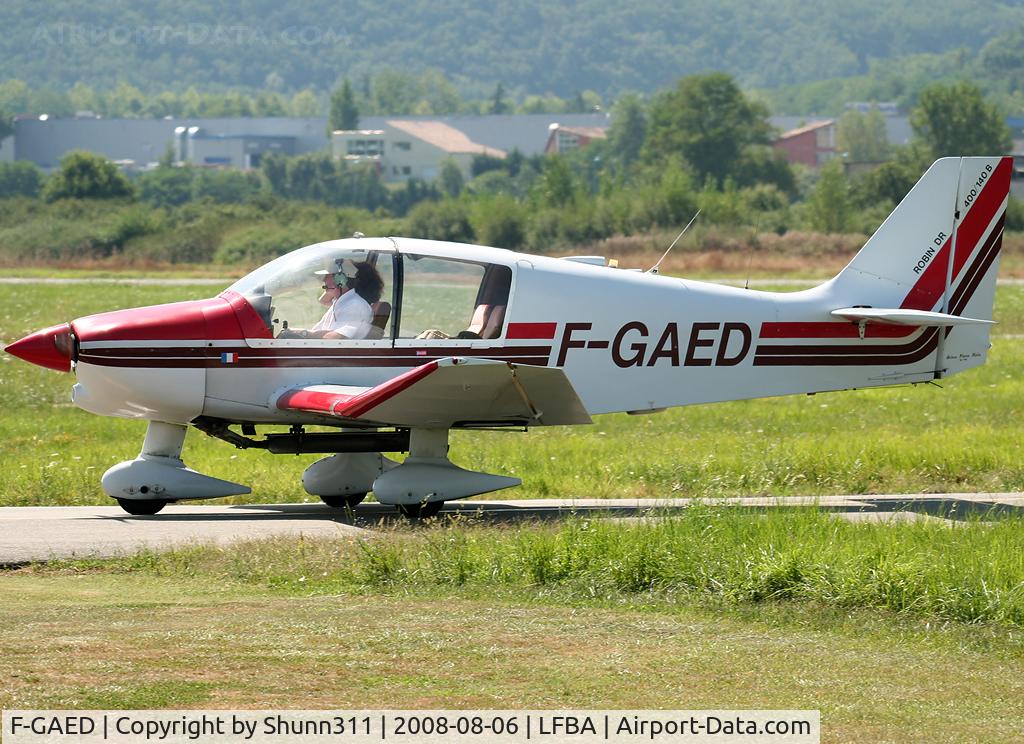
{"x":899,"y":316}
{"x":451,"y":392}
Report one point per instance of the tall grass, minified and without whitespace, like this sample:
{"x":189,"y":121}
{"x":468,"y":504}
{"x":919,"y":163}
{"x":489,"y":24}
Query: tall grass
{"x":968,"y":572}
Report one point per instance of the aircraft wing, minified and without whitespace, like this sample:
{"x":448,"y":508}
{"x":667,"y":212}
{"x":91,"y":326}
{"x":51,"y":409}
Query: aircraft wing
{"x":451,"y":392}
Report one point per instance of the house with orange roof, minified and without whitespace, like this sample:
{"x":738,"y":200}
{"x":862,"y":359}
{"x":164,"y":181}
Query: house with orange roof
{"x":405,"y":149}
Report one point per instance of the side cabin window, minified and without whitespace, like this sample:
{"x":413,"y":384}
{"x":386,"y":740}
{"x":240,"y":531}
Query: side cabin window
{"x":448,"y":299}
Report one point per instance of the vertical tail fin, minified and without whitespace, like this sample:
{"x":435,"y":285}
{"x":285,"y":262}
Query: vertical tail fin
{"x":939,"y":251}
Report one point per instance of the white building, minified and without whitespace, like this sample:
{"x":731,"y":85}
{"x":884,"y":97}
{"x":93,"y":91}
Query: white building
{"x":405,"y":149}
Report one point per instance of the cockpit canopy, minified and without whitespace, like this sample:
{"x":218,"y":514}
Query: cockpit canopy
{"x":423,"y":297}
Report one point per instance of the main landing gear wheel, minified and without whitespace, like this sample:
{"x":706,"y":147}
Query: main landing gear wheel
{"x":423,"y":510}
{"x":142,"y":508}
{"x":349,"y":501}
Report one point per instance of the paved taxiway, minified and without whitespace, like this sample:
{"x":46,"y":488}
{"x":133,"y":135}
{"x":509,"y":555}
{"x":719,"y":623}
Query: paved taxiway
{"x":38,"y":533}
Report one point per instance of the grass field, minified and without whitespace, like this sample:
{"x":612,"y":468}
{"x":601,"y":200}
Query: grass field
{"x":715,"y":610}
{"x":964,"y":437}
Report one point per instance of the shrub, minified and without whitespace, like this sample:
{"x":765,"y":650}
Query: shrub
{"x":501,"y":222}
{"x":257,"y":244}
{"x":85,"y":175}
{"x":166,"y":186}
{"x":1015,"y":214}
{"x":444,"y":220}
{"x":225,"y":187}
{"x":20,"y":178}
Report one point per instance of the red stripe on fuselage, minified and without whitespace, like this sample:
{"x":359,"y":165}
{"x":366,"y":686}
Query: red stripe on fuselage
{"x":914,"y":351}
{"x":530,"y":330}
{"x":830,"y":329}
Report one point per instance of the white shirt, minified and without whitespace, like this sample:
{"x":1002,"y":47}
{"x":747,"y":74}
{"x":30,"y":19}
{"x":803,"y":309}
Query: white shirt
{"x":350,"y":315}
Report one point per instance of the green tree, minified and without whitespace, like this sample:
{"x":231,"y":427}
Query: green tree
{"x":954,"y":120}
{"x":6,"y":125}
{"x":395,"y":93}
{"x":498,"y":104}
{"x":628,"y":129}
{"x":444,"y":220}
{"x":269,"y":104}
{"x":708,"y":121}
{"x":765,"y":164}
{"x":305,"y":103}
{"x":125,"y":101}
{"x":891,"y":181}
{"x":862,"y":136}
{"x":85,"y":175}
{"x":500,"y":221}
{"x":275,"y":170}
{"x":166,"y":186}
{"x":20,"y":178}
{"x":84,"y":98}
{"x":451,"y":178}
{"x":557,"y":185}
{"x":437,"y":94}
{"x":224,"y":186}
{"x":14,"y":96}
{"x":344,"y":113}
{"x":828,"y":206}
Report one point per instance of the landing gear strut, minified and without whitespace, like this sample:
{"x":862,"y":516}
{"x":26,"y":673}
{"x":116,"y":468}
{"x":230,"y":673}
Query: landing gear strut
{"x":158,"y":476}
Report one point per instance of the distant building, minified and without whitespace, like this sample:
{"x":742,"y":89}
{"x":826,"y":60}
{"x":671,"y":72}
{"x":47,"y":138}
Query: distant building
{"x":406,"y":149}
{"x":1016,"y":125}
{"x":886,"y":108}
{"x":196,"y":146}
{"x":527,"y":133}
{"x":236,"y":142}
{"x":562,"y":139}
{"x":897,"y":128}
{"x":242,"y":142}
{"x":812,"y":144}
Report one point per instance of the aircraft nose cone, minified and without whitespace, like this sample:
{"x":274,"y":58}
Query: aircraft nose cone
{"x":50,"y":348}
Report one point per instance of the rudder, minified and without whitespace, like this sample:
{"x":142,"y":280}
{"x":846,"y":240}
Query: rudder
{"x":955,"y":211}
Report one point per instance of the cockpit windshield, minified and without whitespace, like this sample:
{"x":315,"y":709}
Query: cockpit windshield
{"x":344,"y":289}
{"x":332,"y":290}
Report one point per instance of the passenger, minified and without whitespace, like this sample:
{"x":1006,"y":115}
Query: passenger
{"x":348,"y":295}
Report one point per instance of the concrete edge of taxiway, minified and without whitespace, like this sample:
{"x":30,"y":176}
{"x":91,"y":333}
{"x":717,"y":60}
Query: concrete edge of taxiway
{"x":42,"y":533}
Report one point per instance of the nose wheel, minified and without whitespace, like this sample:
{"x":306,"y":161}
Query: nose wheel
{"x":140,"y":507}
{"x":422,"y":510}
{"x":347,"y":501}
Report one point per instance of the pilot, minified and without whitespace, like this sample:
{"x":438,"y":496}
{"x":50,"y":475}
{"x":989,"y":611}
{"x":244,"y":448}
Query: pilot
{"x":348,"y":293}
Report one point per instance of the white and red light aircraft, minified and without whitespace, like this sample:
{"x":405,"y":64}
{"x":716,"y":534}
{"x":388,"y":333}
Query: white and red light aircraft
{"x":475,"y":337}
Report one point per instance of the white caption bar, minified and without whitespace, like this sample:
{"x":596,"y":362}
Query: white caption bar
{"x":420,"y":726}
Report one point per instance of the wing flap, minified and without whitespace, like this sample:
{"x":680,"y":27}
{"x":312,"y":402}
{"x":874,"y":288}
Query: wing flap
{"x":318,"y":398}
{"x":451,"y":392}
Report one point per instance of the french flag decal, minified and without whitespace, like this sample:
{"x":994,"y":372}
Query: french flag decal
{"x":228,"y":358}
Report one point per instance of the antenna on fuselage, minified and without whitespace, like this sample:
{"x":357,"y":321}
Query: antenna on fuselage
{"x":654,"y":269}
{"x":750,"y":253}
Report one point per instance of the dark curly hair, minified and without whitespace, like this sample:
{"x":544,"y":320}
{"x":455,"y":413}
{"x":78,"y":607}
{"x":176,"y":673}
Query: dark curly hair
{"x":367,"y":282}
